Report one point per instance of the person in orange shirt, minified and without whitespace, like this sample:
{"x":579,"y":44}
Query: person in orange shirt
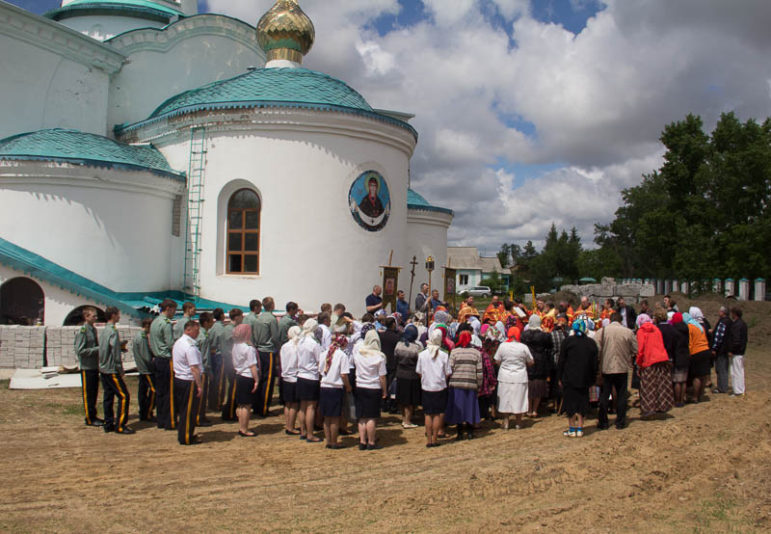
{"x":701,"y":356}
{"x":467,"y":310}
{"x":494,"y":312}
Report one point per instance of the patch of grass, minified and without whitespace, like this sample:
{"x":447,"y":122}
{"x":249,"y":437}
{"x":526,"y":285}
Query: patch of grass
{"x":66,"y":409}
{"x":5,"y":384}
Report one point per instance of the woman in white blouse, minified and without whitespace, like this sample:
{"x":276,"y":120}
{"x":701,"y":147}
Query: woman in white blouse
{"x":308,"y":388}
{"x":289,"y":380}
{"x":370,"y":363}
{"x":247,"y":377}
{"x":333,"y":368}
{"x":514,"y":358}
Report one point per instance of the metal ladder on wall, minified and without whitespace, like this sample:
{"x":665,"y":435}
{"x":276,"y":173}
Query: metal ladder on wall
{"x":195,"y":199}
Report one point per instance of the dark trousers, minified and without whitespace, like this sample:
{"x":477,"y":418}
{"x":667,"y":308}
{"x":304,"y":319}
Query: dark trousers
{"x":113,"y":387}
{"x":722,"y":370}
{"x":89,"y":384}
{"x":164,"y":393}
{"x":200,"y":412}
{"x":146,"y":397}
{"x":264,"y":393}
{"x":618,"y":381}
{"x":216,"y":379}
{"x":186,"y":399}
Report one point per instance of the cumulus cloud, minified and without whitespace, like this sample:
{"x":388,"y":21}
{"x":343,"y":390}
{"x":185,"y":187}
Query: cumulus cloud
{"x":493,"y":92}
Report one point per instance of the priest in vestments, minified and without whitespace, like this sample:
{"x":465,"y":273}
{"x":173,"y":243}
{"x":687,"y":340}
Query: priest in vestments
{"x":467,"y":310}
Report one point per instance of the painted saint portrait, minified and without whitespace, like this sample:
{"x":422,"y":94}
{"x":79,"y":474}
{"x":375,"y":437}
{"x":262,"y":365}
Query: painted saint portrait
{"x":370,"y":201}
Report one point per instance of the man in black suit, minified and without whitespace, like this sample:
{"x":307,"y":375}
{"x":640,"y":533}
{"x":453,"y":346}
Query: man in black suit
{"x":628,"y":315}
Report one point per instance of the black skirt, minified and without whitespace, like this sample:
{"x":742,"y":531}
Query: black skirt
{"x":331,"y":402}
{"x":244,"y":386}
{"x":307,"y":390}
{"x":434,"y":402}
{"x":575,"y":400}
{"x":700,"y":364}
{"x":288,"y":392}
{"x":408,"y":391}
{"x":368,"y":403}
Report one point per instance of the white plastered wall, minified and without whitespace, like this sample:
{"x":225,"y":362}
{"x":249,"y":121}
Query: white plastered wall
{"x":103,"y":27}
{"x":426,"y":236}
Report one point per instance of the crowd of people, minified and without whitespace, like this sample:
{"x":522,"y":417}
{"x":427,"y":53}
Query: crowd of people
{"x":508,"y":362}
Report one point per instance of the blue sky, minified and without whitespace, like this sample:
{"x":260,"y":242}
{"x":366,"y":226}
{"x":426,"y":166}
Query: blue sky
{"x":536,"y":111}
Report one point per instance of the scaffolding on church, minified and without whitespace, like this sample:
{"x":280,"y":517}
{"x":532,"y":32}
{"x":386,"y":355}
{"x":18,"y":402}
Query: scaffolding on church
{"x":195,"y":199}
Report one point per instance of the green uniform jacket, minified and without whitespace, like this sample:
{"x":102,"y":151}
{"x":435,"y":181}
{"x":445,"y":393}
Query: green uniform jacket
{"x":251,"y":319}
{"x":227,"y":340}
{"x":161,"y":337}
{"x":284,"y":324}
{"x":142,"y":356}
{"x":179,"y":327}
{"x":216,"y":335}
{"x":87,"y":348}
{"x":204,"y":345}
{"x":109,"y":351}
{"x":266,"y":332}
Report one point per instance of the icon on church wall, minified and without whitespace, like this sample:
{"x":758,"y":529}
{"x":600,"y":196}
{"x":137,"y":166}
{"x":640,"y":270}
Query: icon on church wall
{"x":370,"y":201}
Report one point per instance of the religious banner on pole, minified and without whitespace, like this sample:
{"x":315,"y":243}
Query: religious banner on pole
{"x":390,"y":285}
{"x":449,"y":288}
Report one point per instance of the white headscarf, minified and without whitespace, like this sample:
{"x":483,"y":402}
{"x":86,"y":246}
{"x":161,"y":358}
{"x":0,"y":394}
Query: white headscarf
{"x":309,"y":329}
{"x":434,"y":343}
{"x":696,"y":313}
{"x":294,"y":334}
{"x":371,"y":345}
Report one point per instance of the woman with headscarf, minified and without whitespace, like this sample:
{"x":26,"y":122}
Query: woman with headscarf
{"x":333,"y":369}
{"x":655,"y":369}
{"x":698,"y":316}
{"x":487,"y":390}
{"x":407,"y":380}
{"x":247,"y":377}
{"x":701,"y":356}
{"x":370,"y":365}
{"x":513,"y":358}
{"x":308,"y":388}
{"x":433,"y":367}
{"x":288,"y":362}
{"x":462,"y":405}
{"x":540,"y":345}
{"x":682,"y":358}
{"x":577,"y":372}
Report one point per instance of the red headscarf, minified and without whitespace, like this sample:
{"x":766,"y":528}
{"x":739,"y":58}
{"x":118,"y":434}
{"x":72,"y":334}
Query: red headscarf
{"x":513,"y":334}
{"x":464,"y":339}
{"x":340,"y":342}
{"x":547,"y":323}
{"x":677,"y":318}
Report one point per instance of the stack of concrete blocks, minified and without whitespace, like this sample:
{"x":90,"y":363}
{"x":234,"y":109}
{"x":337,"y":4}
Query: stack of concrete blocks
{"x":61,"y":346}
{"x":22,"y":346}
{"x":633,"y":290}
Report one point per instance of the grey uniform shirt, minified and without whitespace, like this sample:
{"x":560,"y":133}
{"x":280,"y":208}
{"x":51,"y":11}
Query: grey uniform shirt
{"x":161,"y":337}
{"x":142,"y":356}
{"x":87,"y":348}
{"x":109,"y":351}
{"x":266,"y":332}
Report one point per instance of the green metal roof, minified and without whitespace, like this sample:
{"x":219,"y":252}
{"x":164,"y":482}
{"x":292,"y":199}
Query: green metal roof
{"x":271,"y":87}
{"x":80,"y":148}
{"x":416,"y":202}
{"x":134,"y":8}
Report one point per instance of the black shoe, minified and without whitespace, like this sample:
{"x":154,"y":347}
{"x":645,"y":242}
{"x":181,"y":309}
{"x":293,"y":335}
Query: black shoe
{"x":470,"y":435}
{"x":602,"y":427}
{"x":622,"y":426}
{"x":335,"y":446}
{"x":108,"y":428}
{"x":362,"y":446}
{"x":374,"y":447}
{"x":205,"y":422}
{"x":125,"y":430}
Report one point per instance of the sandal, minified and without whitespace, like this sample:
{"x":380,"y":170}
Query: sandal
{"x":314,"y":439}
{"x":409,"y":425}
{"x":249,"y":434}
{"x":292,"y":432}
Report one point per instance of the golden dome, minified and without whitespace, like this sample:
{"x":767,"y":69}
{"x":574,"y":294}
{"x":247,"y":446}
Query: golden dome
{"x":285,"y":32}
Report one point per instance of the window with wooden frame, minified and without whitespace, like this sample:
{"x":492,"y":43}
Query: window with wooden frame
{"x":243,"y":242}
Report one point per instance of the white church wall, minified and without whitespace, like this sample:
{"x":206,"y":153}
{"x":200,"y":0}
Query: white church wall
{"x":43,"y":89}
{"x":188,"y":54}
{"x":311,"y":248}
{"x":426,"y":236}
{"x":110,"y":226}
{"x":103,"y":27}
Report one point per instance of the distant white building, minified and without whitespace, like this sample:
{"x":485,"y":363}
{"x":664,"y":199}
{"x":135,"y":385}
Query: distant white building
{"x":471,"y":268}
{"x":147,"y":151}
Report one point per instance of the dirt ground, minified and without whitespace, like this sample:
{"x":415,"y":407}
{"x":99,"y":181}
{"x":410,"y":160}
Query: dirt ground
{"x":704,"y":469}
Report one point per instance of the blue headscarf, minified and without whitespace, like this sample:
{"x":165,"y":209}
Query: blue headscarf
{"x":687,"y":319}
{"x":579,"y":327}
{"x":410,"y":334}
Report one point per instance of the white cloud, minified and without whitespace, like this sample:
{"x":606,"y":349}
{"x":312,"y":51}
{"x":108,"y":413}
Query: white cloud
{"x":598,"y":100}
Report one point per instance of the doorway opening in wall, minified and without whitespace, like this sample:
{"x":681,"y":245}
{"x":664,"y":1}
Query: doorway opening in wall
{"x":75,"y":317}
{"x":22,"y":302}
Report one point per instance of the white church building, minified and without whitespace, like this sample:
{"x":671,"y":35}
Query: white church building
{"x":148,"y":151}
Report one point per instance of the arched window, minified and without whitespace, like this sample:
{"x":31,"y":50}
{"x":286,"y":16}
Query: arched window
{"x":243,"y":243}
{"x":21,"y":302}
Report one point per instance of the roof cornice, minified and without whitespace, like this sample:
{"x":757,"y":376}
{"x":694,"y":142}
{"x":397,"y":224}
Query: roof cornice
{"x":54,"y":37}
{"x":163,"y":39}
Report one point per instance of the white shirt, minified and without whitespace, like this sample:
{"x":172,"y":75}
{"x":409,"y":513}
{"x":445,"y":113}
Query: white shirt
{"x":433,"y":371}
{"x":326,"y":337}
{"x":369,"y":369}
{"x":244,"y":356}
{"x":513,"y":357}
{"x":308,"y":354}
{"x":185,"y":355}
{"x":333,"y":377}
{"x":289,"y":362}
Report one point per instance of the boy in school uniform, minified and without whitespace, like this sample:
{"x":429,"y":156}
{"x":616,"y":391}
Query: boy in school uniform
{"x":87,"y":350}
{"x":144,"y":361}
{"x":216,"y":333}
{"x":188,"y":387}
{"x":111,"y":372}
{"x":228,"y":390}
{"x":205,"y":320}
{"x":161,"y":340}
